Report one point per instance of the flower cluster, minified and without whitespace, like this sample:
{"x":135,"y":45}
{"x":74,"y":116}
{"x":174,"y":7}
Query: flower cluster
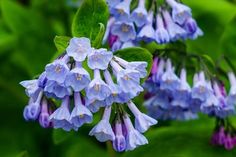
{"x":171,"y":97}
{"x":224,"y":135}
{"x":172,"y":22}
{"x":67,"y":79}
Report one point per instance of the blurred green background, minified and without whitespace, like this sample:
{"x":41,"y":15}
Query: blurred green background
{"x":27,"y":29}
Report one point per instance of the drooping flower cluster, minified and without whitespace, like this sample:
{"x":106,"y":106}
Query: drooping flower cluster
{"x":127,"y":28}
{"x":171,"y":97}
{"x":67,"y":79}
{"x":224,"y":135}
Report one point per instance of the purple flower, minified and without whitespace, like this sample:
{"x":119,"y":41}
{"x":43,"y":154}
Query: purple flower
{"x":32,"y":89}
{"x":124,"y":30}
{"x":222,"y":136}
{"x":103,"y":131}
{"x":139,"y":15}
{"x":80,"y":114}
{"x":147,"y":33}
{"x":32,"y":110}
{"x":44,"y":115}
{"x":58,"y":70}
{"x":99,"y":59}
{"x":162,"y":35}
{"x":127,"y":79}
{"x":60,"y":118}
{"x":228,"y":142}
{"x":122,"y":11}
{"x":42,"y":80}
{"x":175,"y":31}
{"x":169,"y":80}
{"x":133,"y":138}
{"x":180,"y":12}
{"x":142,"y":121}
{"x":79,"y":48}
{"x":97,"y":89}
{"x":78,"y":78}
{"x":119,"y":144}
{"x":56,"y":90}
{"x":139,"y":66}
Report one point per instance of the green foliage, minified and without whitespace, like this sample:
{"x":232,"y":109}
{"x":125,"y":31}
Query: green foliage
{"x":91,"y":14}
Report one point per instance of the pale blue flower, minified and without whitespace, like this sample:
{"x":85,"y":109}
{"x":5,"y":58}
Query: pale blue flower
{"x":180,"y":12}
{"x":79,"y":48}
{"x":99,"y":59}
{"x":112,"y":3}
{"x":141,"y":67}
{"x":201,"y":90}
{"x":94,"y":105}
{"x":122,"y":11}
{"x":78,"y":78}
{"x":124,"y":30}
{"x":56,"y":90}
{"x":58,"y":70}
{"x":133,"y":138}
{"x":147,"y":33}
{"x":103,"y":131}
{"x":128,"y":44}
{"x":80,"y":114}
{"x":60,"y":118}
{"x":169,"y":80}
{"x":231,"y":99}
{"x":142,"y":121}
{"x":162,"y":35}
{"x":97,"y":88}
{"x":32,"y":89}
{"x":192,"y":29}
{"x":127,"y":79}
{"x":175,"y":31}
{"x":140,"y":15}
{"x":117,"y":95}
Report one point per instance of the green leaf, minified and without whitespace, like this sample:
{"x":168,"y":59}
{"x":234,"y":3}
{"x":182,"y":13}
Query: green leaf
{"x":88,"y":17}
{"x":98,"y":41}
{"x":209,"y":59}
{"x":60,"y":136}
{"x":136,"y":54}
{"x":61,"y":43}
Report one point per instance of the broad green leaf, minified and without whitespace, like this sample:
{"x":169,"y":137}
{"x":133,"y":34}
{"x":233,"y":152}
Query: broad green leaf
{"x":87,"y":19}
{"x":136,"y":54}
{"x":60,"y":136}
{"x":7,"y":39}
